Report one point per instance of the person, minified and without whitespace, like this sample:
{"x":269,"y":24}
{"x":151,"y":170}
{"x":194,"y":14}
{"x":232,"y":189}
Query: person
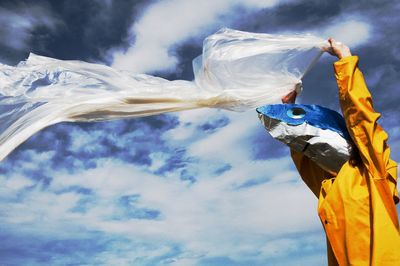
{"x":357,"y":205}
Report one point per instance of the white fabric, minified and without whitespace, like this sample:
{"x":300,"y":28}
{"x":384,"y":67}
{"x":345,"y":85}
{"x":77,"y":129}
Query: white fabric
{"x":236,"y":71}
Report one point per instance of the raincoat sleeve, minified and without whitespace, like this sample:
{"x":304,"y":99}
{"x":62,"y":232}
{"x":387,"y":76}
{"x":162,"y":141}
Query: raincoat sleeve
{"x":361,"y":121}
{"x":310,"y":172}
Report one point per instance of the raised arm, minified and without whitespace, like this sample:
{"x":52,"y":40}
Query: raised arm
{"x":360,"y":116}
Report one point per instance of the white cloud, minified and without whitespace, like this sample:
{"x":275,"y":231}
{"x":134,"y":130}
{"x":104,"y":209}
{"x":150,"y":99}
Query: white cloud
{"x":189,"y":120}
{"x":165,"y":24}
{"x":208,"y":218}
{"x":10,"y":185}
{"x":351,"y":31}
{"x":229,"y":138}
{"x":86,"y":141}
{"x":206,"y":214}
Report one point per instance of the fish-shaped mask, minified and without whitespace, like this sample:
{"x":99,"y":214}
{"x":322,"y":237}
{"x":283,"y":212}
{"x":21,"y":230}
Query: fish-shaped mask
{"x":318,"y":132}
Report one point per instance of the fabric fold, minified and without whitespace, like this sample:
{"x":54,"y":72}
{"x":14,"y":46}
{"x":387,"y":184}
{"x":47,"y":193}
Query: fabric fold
{"x":237,"y":71}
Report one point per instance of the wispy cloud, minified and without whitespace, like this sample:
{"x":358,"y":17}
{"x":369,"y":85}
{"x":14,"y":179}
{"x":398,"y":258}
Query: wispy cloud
{"x":165,"y":24}
{"x":352,"y":32}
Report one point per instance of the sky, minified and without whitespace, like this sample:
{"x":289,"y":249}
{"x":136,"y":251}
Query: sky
{"x":200,"y":187}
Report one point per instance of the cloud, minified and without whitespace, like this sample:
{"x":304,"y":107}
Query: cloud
{"x":201,"y":187}
{"x":351,"y":31}
{"x":206,"y":212}
{"x":165,"y":24}
{"x":18,"y":25}
{"x":204,"y":219}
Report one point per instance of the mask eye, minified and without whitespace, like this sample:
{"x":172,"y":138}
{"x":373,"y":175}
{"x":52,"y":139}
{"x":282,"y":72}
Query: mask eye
{"x":296,"y":113}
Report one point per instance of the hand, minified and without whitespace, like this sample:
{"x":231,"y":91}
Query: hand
{"x":337,"y":49}
{"x":290,"y":98}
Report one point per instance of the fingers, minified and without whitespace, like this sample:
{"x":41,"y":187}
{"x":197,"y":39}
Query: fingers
{"x":338,"y":49}
{"x":330,"y":47}
{"x":333,"y":43}
{"x":327,"y":49}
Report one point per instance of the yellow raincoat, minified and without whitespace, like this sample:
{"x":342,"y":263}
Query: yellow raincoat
{"x":357,"y":206}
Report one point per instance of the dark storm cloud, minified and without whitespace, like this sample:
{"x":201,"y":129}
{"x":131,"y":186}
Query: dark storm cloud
{"x":295,"y":16}
{"x":185,"y":53}
{"x":18,"y":25}
{"x":82,"y":30}
{"x":303,"y":15}
{"x":91,"y":28}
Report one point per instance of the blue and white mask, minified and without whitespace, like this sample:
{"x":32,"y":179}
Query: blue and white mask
{"x":318,"y":132}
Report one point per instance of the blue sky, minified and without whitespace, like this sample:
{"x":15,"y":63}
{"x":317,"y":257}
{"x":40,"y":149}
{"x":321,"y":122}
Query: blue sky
{"x":201,"y":187}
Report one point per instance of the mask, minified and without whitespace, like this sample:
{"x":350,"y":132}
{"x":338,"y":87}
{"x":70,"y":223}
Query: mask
{"x":318,"y":132}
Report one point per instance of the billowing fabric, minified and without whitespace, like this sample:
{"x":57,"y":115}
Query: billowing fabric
{"x":357,"y":206}
{"x":236,"y":71}
{"x":318,"y":132}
